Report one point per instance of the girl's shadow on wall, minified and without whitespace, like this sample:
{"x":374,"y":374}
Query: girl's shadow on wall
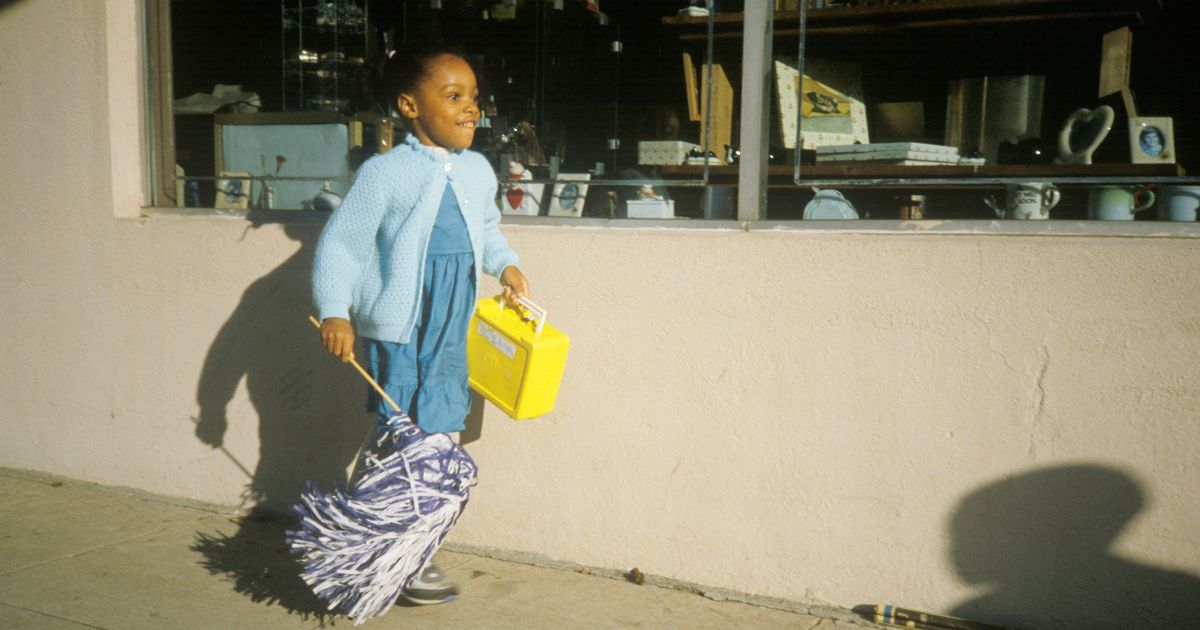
{"x":310,"y":423}
{"x":1042,"y":546}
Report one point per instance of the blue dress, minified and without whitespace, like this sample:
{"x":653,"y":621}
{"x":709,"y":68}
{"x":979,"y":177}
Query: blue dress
{"x":427,"y":376}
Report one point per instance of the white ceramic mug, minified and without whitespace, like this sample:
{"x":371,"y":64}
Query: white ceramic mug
{"x":1026,"y":201}
{"x":1179,"y":203}
{"x":1118,"y":203}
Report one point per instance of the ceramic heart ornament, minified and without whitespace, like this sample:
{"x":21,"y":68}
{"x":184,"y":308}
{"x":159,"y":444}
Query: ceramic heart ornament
{"x":515,"y":196}
{"x":1083,"y":132}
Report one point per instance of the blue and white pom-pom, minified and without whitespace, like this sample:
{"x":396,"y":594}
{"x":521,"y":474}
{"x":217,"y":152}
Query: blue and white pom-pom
{"x":360,"y":548}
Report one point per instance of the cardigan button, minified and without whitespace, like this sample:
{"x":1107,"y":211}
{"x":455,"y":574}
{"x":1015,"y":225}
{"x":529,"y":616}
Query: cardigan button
{"x":448,"y":167}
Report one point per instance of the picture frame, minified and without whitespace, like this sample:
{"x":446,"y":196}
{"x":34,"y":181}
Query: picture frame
{"x":180,"y":183}
{"x":691,"y":88}
{"x":517,"y":197}
{"x":1152,"y":140}
{"x":829,"y":98}
{"x":570,"y":192}
{"x":233,"y":190}
{"x":701,"y":98}
{"x":315,"y":146}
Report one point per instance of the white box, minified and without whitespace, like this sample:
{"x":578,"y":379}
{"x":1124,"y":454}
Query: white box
{"x":664,"y":151}
{"x":890,"y":152}
{"x":880,"y":147}
{"x":650,"y":209}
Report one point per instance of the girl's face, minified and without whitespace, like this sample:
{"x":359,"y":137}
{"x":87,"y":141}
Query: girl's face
{"x":444,"y":107}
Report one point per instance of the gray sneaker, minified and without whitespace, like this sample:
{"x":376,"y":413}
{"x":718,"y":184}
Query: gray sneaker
{"x":430,"y":587}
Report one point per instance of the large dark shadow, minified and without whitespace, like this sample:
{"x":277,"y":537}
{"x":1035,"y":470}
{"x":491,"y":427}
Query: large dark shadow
{"x":8,"y":4}
{"x":309,"y":412}
{"x":256,"y":559}
{"x":1040,"y":545}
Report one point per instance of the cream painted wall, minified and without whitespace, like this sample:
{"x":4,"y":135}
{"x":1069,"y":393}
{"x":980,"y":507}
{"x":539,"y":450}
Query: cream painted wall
{"x":824,"y":417}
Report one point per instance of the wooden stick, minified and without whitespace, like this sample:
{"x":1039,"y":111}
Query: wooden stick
{"x":894,"y":615}
{"x":364,"y":373}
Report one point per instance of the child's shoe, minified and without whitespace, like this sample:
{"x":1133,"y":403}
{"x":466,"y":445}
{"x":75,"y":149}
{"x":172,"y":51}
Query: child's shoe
{"x":430,"y":587}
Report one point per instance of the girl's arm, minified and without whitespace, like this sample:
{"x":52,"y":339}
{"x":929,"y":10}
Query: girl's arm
{"x":347,"y":242}
{"x":498,"y":257}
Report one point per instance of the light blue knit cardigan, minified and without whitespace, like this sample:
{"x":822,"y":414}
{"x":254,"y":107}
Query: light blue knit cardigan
{"x":370,"y":258}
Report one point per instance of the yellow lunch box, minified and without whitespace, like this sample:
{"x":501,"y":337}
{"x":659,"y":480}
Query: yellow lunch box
{"x":514,"y":360}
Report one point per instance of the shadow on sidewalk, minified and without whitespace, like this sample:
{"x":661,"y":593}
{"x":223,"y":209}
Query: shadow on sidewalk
{"x":257,"y":560}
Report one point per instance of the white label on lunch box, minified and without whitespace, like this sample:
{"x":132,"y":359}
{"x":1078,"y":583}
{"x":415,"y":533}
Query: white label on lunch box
{"x":496,"y":339}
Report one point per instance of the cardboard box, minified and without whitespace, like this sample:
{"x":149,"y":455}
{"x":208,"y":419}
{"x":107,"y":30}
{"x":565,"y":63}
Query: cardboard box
{"x":650,"y":209}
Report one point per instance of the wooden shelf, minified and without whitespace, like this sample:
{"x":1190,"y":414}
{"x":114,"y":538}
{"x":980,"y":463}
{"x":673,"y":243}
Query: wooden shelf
{"x":971,"y":176}
{"x":857,"y":27}
{"x":932,"y":14}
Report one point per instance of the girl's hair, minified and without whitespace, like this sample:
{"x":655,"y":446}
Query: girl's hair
{"x":386,"y":78}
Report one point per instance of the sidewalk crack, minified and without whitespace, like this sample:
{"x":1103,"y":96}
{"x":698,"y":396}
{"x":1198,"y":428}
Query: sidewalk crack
{"x":51,"y":616}
{"x":84,"y":552}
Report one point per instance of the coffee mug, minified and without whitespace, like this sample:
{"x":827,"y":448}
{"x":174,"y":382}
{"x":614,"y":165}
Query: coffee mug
{"x":1118,"y":203}
{"x":1179,"y":203}
{"x":1026,"y":201}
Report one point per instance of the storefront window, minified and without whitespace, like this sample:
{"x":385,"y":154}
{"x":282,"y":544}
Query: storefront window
{"x":586,"y":105}
{"x":923,"y":109}
{"x":988,"y":110}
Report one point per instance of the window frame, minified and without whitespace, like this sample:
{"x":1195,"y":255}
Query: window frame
{"x":159,"y":95}
{"x":752,"y":173}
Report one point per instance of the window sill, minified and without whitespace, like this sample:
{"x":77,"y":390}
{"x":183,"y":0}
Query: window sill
{"x":956,"y":227}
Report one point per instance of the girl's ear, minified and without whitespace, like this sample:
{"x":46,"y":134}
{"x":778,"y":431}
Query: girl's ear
{"x":406,"y":105}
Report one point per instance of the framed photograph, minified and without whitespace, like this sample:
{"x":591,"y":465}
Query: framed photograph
{"x":829,"y":99}
{"x":570,"y":191}
{"x":233,"y":190}
{"x":1152,"y":140}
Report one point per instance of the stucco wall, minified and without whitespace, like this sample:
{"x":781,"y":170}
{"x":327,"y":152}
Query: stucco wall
{"x":998,"y":425}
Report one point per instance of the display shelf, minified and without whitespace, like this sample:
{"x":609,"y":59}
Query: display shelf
{"x":920,"y":32}
{"x":939,"y":14}
{"x":906,"y":176}
{"x":335,"y":37}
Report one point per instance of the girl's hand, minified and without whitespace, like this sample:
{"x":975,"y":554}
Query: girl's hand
{"x":338,"y":338}
{"x":514,"y":284}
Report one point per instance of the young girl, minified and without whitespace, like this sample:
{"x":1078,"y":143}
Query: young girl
{"x":403,"y":252}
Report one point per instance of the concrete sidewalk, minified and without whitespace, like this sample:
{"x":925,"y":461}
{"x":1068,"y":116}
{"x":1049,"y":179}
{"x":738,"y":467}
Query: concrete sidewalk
{"x":78,"y":555}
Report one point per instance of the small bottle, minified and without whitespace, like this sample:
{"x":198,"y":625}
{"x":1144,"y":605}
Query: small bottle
{"x":385,"y":131}
{"x":192,"y":194}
